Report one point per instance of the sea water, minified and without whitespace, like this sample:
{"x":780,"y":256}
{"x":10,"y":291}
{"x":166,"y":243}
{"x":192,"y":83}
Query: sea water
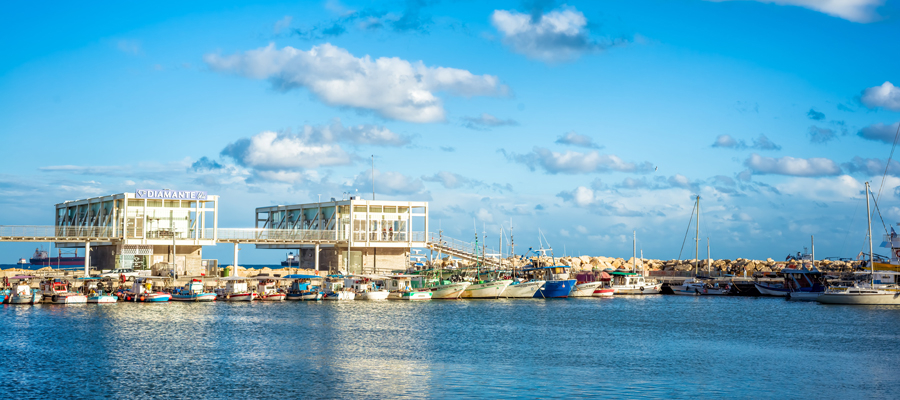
{"x":623,"y":347}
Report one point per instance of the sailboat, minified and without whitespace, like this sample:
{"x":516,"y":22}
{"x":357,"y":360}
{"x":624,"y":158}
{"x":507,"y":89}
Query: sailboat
{"x":862,"y":295}
{"x":490,"y":288}
{"x":694,"y":286}
{"x":519,"y":288}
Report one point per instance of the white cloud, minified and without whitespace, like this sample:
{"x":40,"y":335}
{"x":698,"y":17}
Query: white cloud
{"x":573,"y":162}
{"x":581,"y":229}
{"x":392,"y":87}
{"x":880,"y":132}
{"x":486,"y":121}
{"x":128,"y":46}
{"x":484,"y":215}
{"x":575,"y":139}
{"x":365,"y":134}
{"x":885,"y":96}
{"x":559,"y":35}
{"x":451,"y":180}
{"x":862,"y":11}
{"x":282,"y":24}
{"x":273,"y":151}
{"x":792,"y":166}
{"x":823,"y":189}
{"x":760,"y":143}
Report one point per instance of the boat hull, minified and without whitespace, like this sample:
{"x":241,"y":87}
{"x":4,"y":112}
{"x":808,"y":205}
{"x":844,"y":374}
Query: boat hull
{"x":804,"y":296}
{"x":374,"y":295}
{"x":310,"y":296}
{"x":487,"y":290}
{"x":449,"y":291}
{"x":772,"y":291}
{"x":66,"y":299}
{"x":604,"y":292}
{"x":33,"y":298}
{"x":556,"y":289}
{"x":196,"y":297}
{"x":584,"y":289}
{"x":873,"y":299}
{"x":637,"y":291}
{"x":102,"y":299}
{"x":273,"y":297}
{"x":410,"y":296}
{"x":340,"y":296}
{"x":236,"y":297}
{"x":524,"y":290}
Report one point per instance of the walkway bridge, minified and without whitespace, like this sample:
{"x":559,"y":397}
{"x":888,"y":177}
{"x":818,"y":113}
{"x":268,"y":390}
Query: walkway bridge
{"x":463,"y":250}
{"x":61,"y":234}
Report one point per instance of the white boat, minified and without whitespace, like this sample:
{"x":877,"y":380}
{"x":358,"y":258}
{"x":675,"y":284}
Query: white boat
{"x":449,"y":291}
{"x":522,"y":290}
{"x":774,"y":289}
{"x":266,"y":289}
{"x":861,"y":295}
{"x":24,"y":294}
{"x":413,"y":295}
{"x":373,"y":295}
{"x":630,"y":283}
{"x":98,"y":298}
{"x":56,"y":291}
{"x":690,"y":287}
{"x":584,"y":289}
{"x":235,"y":290}
{"x":400,"y":287}
{"x":486,"y":290}
{"x":335,"y":290}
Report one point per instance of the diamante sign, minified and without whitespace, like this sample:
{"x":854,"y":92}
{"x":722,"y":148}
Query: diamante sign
{"x":170,"y":194}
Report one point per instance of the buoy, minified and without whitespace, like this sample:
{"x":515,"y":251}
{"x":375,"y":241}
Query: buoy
{"x":142,"y":298}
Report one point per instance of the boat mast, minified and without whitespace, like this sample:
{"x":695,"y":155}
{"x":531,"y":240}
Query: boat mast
{"x":812,"y":240}
{"x":869,"y":218}
{"x":697,"y":239}
{"x":633,"y":250}
{"x":708,"y":267}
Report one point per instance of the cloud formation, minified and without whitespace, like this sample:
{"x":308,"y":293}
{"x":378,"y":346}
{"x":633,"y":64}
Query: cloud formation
{"x":880,"y":132}
{"x":871,"y":166}
{"x":391,"y":87}
{"x":486,"y":121}
{"x":275,"y":151}
{"x":762,"y":142}
{"x":573,"y":162}
{"x":557,"y":36}
{"x":574,"y":139}
{"x":820,"y":135}
{"x":815,"y":115}
{"x":886,"y":96}
{"x":861,"y":11}
{"x":791,"y":166}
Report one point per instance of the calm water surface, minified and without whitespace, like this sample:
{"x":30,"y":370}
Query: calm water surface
{"x":653,"y":346}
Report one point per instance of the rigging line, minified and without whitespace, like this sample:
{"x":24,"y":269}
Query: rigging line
{"x":888,"y":164}
{"x":879,"y":215}
{"x":686,"y":233}
{"x":850,"y":227}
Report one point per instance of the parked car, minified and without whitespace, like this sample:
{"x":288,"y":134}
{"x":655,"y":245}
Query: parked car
{"x":128,"y":272}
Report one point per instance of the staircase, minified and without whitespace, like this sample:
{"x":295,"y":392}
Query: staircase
{"x":463,"y":250}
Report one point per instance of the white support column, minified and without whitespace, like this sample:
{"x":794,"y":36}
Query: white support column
{"x":87,"y":259}
{"x":235,"y":264}
{"x":317,"y":257}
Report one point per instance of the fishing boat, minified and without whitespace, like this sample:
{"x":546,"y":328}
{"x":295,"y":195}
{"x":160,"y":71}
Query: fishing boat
{"x":452,"y":290}
{"x":303,"y":288}
{"x":605,"y":289}
{"x":400,"y":288}
{"x":689,"y":287}
{"x":142,"y":291}
{"x":485,"y":290}
{"x":799,"y":285}
{"x":556,"y":281}
{"x":267,"y":289}
{"x":586,"y":284}
{"x":291,"y":260}
{"x":22,"y":293}
{"x":95,"y":293}
{"x":367,"y":287}
{"x":335,"y":290}
{"x":631,"y":283}
{"x":235,"y":290}
{"x":56,"y":291}
{"x":522,"y":289}
{"x":193,"y":291}
{"x":860,"y":295}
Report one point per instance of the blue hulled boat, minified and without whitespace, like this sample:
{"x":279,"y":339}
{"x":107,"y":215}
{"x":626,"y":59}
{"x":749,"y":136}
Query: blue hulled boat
{"x":557,"y":283}
{"x":303,"y":287}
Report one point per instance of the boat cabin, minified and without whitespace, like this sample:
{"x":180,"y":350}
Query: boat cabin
{"x":303,"y":283}
{"x":627,"y":279}
{"x":54,"y":286}
{"x":796,"y":279}
{"x":551,"y":273}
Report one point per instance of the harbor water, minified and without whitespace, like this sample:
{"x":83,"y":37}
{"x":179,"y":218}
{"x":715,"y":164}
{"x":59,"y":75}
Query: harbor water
{"x":623,"y":347}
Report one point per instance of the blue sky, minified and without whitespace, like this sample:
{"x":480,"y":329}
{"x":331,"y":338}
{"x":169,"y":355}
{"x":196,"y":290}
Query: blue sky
{"x":586,"y":120}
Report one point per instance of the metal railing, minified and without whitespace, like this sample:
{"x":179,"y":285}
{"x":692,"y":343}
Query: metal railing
{"x":460,"y":246}
{"x":57,"y":231}
{"x":274,"y":234}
